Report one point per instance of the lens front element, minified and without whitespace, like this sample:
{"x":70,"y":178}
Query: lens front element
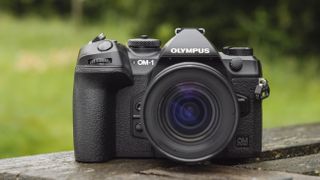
{"x":188,"y":111}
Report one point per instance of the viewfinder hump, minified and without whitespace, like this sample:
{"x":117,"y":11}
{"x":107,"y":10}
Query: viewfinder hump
{"x":189,"y":42}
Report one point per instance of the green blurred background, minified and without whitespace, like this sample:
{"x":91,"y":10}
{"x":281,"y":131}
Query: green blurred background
{"x":40,"y":39}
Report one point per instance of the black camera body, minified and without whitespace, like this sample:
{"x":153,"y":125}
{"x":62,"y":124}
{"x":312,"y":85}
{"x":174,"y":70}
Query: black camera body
{"x":185,"y":101}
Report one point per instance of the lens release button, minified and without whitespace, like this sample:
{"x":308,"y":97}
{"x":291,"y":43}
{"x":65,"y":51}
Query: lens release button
{"x":139,"y":127}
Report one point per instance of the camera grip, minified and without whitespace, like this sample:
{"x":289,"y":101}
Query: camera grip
{"x":94,"y":117}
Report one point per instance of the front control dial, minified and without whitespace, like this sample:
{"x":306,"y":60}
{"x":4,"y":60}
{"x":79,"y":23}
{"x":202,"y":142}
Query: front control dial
{"x":100,"y":61}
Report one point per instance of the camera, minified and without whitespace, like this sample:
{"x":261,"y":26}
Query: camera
{"x":185,"y":101}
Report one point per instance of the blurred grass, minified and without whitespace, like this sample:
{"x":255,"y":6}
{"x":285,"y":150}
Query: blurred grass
{"x":295,"y":87}
{"x":37,"y":58}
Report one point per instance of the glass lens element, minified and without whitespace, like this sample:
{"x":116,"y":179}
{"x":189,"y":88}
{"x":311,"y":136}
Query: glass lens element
{"x":189,"y":110}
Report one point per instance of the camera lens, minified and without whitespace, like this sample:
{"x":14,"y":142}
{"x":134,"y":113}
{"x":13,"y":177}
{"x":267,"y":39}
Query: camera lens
{"x":189,"y":112}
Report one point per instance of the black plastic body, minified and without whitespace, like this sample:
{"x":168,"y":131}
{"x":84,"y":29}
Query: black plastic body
{"x":107,"y":97}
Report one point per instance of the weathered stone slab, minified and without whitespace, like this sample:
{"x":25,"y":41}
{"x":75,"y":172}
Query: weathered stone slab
{"x":292,"y":150}
{"x":291,"y":141}
{"x":63,"y":166}
{"x":220,"y":172}
{"x":309,"y":164}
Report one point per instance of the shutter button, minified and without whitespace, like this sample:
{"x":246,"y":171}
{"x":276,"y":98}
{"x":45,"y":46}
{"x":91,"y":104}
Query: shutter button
{"x":104,"y":46}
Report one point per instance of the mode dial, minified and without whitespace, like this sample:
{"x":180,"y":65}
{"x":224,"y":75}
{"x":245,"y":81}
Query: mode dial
{"x":238,"y":51}
{"x":144,"y":42}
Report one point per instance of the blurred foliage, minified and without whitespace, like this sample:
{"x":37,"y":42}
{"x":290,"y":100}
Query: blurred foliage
{"x":42,"y":8}
{"x":93,"y":10}
{"x":40,"y":42}
{"x":290,"y":26}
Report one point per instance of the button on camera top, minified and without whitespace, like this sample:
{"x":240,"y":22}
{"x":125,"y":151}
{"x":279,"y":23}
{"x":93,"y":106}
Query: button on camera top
{"x":104,"y":46}
{"x":144,"y":42}
{"x":238,"y":51}
{"x":236,"y":64}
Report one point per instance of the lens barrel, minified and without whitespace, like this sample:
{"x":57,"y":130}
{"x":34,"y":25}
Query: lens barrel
{"x":190,"y":112}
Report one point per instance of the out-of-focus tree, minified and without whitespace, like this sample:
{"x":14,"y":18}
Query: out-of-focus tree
{"x":77,"y":10}
{"x":288,"y":25}
{"x":43,"y":8}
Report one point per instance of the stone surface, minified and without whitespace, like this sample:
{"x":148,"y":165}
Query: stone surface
{"x":63,"y":166}
{"x":288,"y":153}
{"x":291,"y":141}
{"x":309,"y":164}
{"x":220,"y":172}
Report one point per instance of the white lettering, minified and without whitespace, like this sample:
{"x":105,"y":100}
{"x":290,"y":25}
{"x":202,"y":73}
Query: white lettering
{"x":190,"y":50}
{"x":144,"y":62}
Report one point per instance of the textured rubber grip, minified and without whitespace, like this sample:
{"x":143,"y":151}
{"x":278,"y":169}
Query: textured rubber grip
{"x":94,"y":118}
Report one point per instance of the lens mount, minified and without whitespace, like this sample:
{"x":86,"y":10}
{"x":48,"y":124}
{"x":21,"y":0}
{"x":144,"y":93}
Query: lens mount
{"x":190,"y":112}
